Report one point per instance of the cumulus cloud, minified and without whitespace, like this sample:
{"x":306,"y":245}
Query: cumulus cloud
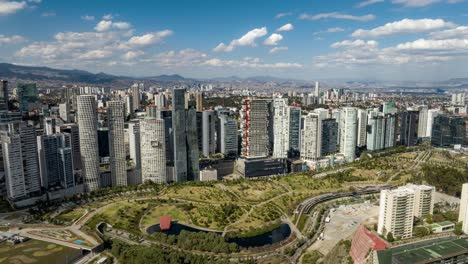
{"x":11,"y":40}
{"x":246,"y":40}
{"x":273,"y":39}
{"x":460,"y":32}
{"x":405,"y":26}
{"x":355,"y":44}
{"x":107,"y":17}
{"x":421,"y":3}
{"x":149,"y":38}
{"x":105,"y":25}
{"x":286,"y":27}
{"x":132,"y":55}
{"x":277,"y":49}
{"x":337,"y":15}
{"x":11,"y":7}
{"x":368,"y":2}
{"x":280,"y":15}
{"x":87,"y":18}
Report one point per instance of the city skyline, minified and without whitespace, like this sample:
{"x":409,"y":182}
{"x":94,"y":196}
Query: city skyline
{"x":383,"y":40}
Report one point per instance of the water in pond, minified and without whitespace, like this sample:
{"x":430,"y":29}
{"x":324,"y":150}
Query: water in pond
{"x":277,"y":235}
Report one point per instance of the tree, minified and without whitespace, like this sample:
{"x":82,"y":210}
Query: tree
{"x":421,"y":231}
{"x":458,"y":229}
{"x":429,"y":219}
{"x":390,"y":237}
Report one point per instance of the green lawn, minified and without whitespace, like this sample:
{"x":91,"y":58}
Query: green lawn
{"x":36,"y":251}
{"x":124,"y":216}
{"x":71,"y":216}
{"x":153,"y":215}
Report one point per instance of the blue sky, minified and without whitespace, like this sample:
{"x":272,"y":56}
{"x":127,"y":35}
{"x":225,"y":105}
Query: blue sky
{"x":305,"y":39}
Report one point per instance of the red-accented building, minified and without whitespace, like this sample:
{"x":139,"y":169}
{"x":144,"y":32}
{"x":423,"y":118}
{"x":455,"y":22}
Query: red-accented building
{"x":364,"y":242}
{"x":165,"y":223}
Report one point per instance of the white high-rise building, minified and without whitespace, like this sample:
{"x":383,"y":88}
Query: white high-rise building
{"x":64,"y":112}
{"x":423,"y":120}
{"x":129,"y":109}
{"x":311,"y":141}
{"x":348,"y":132}
{"x":431,"y":114}
{"x":135,"y":91}
{"x":19,"y":149}
{"x":458,"y":99}
{"x":317,"y":89}
{"x":463,"y":214}
{"x":256,"y":125}
{"x":87,"y":123}
{"x":362,"y":126}
{"x":153,"y":150}
{"x":423,"y":200}
{"x":117,"y":153}
{"x":134,"y":142}
{"x":396,"y":212}
{"x":280,"y":128}
{"x":227,"y":136}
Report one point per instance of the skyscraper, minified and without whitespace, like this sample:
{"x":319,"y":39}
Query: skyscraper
{"x":4,"y":95}
{"x":463,"y":213}
{"x":87,"y":123}
{"x":49,"y":125}
{"x":208,"y":132}
{"x":134,"y":143}
{"x":64,"y":112}
{"x":227,"y":136}
{"x":409,"y":128}
{"x":362,"y":126}
{"x":179,"y":133}
{"x":294,"y":116}
{"x":348,"y":131}
{"x":317,"y":90}
{"x":73,"y":130}
{"x":153,"y":151}
{"x":396,"y":212}
{"x":448,"y":131}
{"x":431,"y":114}
{"x":117,"y":154}
{"x":135,"y":91}
{"x":311,"y":141}
{"x":376,"y":131}
{"x":280,"y":128}
{"x":19,"y":149}
{"x":26,"y":95}
{"x":256,"y":124}
{"x":199,"y":101}
{"x":329,"y":136}
{"x":423,"y":119}
{"x":193,"y":152}
{"x":166,"y":115}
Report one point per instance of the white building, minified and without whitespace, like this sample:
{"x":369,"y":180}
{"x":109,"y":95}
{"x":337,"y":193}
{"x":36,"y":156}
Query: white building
{"x":135,"y":92}
{"x":423,"y":120}
{"x":348,"y":132}
{"x":362,"y":126}
{"x":423,"y":200}
{"x":431,"y":114}
{"x":396,"y":212}
{"x":153,"y":150}
{"x":463,"y":215}
{"x":208,"y":175}
{"x":280,"y":128}
{"x":64,"y":112}
{"x":311,"y":137}
{"x":117,"y":153}
{"x":87,"y":123}
{"x":134,"y":142}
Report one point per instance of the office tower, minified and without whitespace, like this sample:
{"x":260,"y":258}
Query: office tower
{"x":55,"y":160}
{"x":153,"y":152}
{"x":227,"y":136}
{"x":390,"y":130}
{"x":389,"y":108}
{"x":180,"y":135}
{"x":160,"y":100}
{"x":166,"y":115}
{"x":129,"y":108}
{"x":4,"y":95}
{"x":199,"y":101}
{"x":208,"y":132}
{"x":423,"y":200}
{"x":294,"y":115}
{"x":422,"y":124}
{"x":448,"y":131}
{"x":49,"y":125}
{"x":280,"y":128}
{"x":135,"y":92}
{"x":199,"y":122}
{"x":431,"y":114}
{"x":152,"y":111}
{"x":117,"y":153}
{"x":19,"y":149}
{"x":329,"y":137}
{"x":87,"y":123}
{"x":463,"y":213}
{"x":311,"y":141}
{"x":134,"y":143}
{"x":193,"y":154}
{"x":348,"y":131}
{"x":376,"y":131}
{"x":362,"y":126}
{"x":103,"y":139}
{"x":26,"y":95}
{"x":64,"y":112}
{"x":396,"y":212}
{"x":73,"y":130}
{"x":317,"y":90}
{"x":256,"y":121}
{"x":409,"y":128}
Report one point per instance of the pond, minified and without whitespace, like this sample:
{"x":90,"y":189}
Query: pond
{"x":277,"y":235}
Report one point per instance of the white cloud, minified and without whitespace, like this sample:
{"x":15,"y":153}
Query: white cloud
{"x":405,"y":26}
{"x":277,"y":49}
{"x":11,"y":7}
{"x":280,"y":15}
{"x":11,"y":40}
{"x":87,"y":18}
{"x":337,"y":15}
{"x":286,"y":27}
{"x":107,"y":17}
{"x":273,"y":39}
{"x":368,"y":2}
{"x":132,"y":55}
{"x":335,"y":29}
{"x":355,"y":44}
{"x":96,"y":54}
{"x":149,"y":38}
{"x":438,"y":45}
{"x":105,"y":25}
{"x":460,"y":32}
{"x":48,"y":14}
{"x":421,"y":3}
{"x":246,"y":40}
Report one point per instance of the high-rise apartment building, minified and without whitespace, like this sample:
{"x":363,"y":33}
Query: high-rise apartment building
{"x":19,"y":149}
{"x":294,"y":115}
{"x":87,"y":123}
{"x":463,"y":213}
{"x":4,"y":95}
{"x":208,"y":132}
{"x":134,"y":143}
{"x":329,"y":136}
{"x":153,"y":151}
{"x":458,"y":99}
{"x":376,"y":131}
{"x":227,"y":136}
{"x":362,"y":128}
{"x":423,"y":200}
{"x":117,"y":153}
{"x":199,"y":101}
{"x":73,"y":131}
{"x":431,"y":114}
{"x":49,"y":125}
{"x":348,"y":133}
{"x":64,"y":112}
{"x":135,"y":92}
{"x":311,"y":148}
{"x":423,"y":119}
{"x":396,"y":212}
{"x":280,"y":128}
{"x":256,"y":125}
